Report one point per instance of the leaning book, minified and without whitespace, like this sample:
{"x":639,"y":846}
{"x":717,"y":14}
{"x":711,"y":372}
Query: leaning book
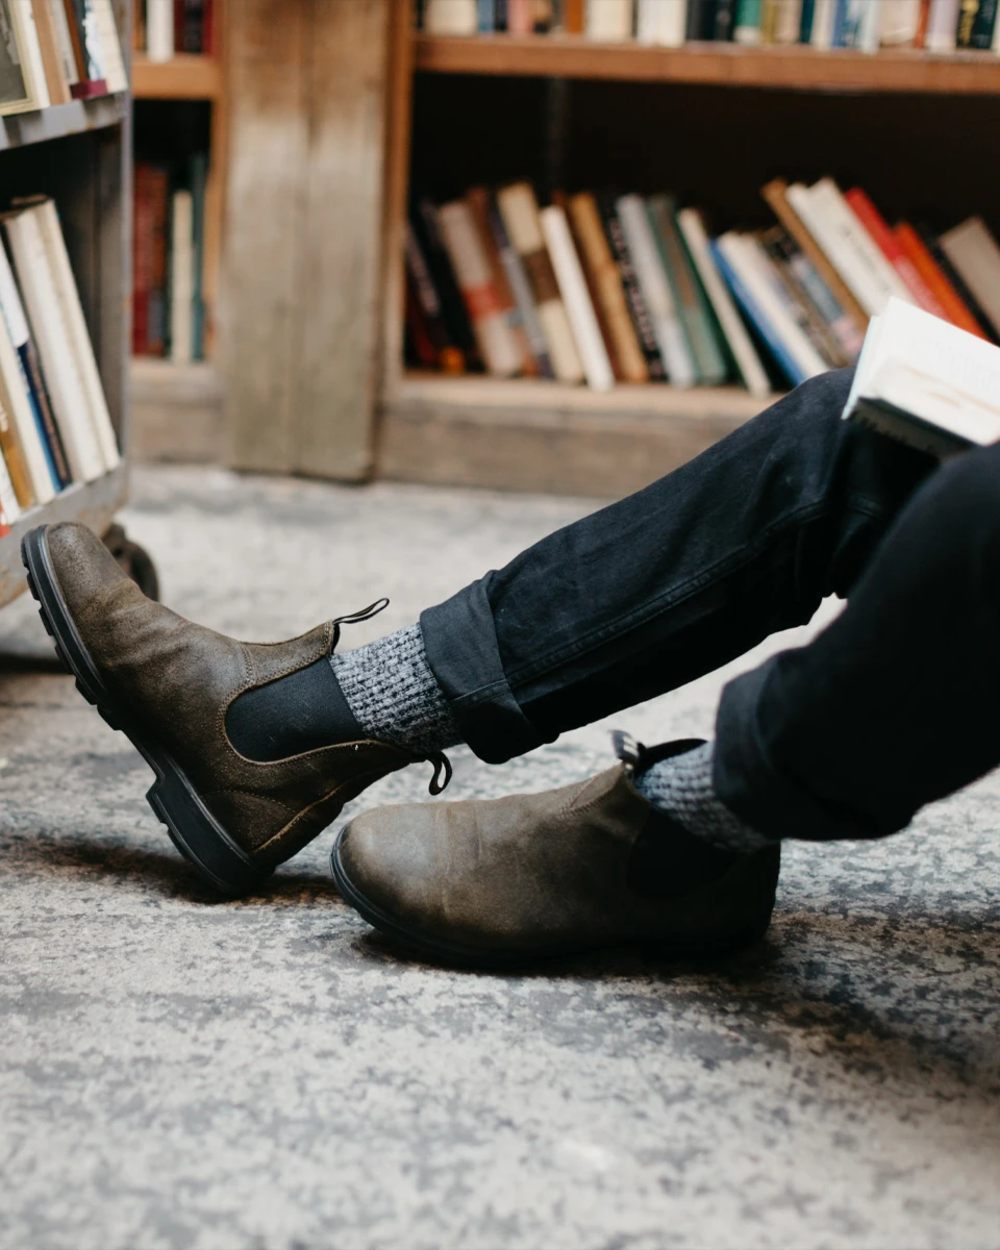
{"x":926,"y":382}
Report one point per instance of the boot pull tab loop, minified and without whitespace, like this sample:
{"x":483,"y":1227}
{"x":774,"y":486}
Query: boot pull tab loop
{"x":627,"y":749}
{"x":442,"y":768}
{"x":353,"y":618}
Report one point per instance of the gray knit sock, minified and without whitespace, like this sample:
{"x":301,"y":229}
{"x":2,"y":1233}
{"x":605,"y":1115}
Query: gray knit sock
{"x":390,"y":688}
{"x":682,"y":787}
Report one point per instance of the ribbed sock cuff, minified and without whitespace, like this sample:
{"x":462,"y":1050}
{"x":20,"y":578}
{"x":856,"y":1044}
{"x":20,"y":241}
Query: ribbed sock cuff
{"x":392,"y":691}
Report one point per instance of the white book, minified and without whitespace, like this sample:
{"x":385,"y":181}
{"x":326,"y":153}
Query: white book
{"x":973,"y":251}
{"x":519,"y":211}
{"x":837,"y":235}
{"x":501,"y":350}
{"x":743,"y":255}
{"x":942,"y":24}
{"x":926,"y":381}
{"x":573,"y":288}
{"x":824,"y":15}
{"x":609,"y":20}
{"x":662,"y":22}
{"x":788,"y":22}
{"x":181,"y":276}
{"x":898,"y":23}
{"x":32,"y":66}
{"x":656,"y":292}
{"x":14,"y":335}
{"x":109,"y":42}
{"x":160,"y":29}
{"x":54,"y":339}
{"x":451,"y":17}
{"x":80,"y":343}
{"x":739,"y":341}
{"x":10,"y":509}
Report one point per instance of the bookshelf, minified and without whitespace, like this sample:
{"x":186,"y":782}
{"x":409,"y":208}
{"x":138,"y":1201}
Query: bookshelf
{"x":177,"y":407}
{"x":80,"y":154}
{"x":712,"y":122}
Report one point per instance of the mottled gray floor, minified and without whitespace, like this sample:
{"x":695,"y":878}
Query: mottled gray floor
{"x":178,"y":1072}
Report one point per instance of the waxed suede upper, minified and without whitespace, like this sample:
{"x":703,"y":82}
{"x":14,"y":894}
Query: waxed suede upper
{"x":542,"y":873}
{"x":176,"y":679}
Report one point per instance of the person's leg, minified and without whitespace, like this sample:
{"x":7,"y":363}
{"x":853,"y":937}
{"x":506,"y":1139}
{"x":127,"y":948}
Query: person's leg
{"x":891,"y":706}
{"x":674,"y":581}
{"x":895,"y":703}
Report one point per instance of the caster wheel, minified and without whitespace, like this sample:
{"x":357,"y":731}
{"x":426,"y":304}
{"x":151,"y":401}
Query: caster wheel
{"x":134,"y":560}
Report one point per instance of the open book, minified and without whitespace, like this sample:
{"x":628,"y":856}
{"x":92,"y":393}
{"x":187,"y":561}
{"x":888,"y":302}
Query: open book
{"x":926,"y":382}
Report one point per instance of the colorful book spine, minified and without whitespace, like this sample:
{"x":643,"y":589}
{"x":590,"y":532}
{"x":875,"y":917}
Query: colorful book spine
{"x":876,"y":225}
{"x":954,"y":307}
{"x":755,"y":315}
{"x":641,"y":320}
{"x":478,"y":200}
{"x":573,"y":288}
{"x":520,"y":287}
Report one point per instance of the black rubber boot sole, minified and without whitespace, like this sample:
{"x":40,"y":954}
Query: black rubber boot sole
{"x":435,"y":950}
{"x":174,"y":800}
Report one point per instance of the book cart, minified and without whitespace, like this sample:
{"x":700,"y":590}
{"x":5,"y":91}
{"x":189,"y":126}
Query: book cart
{"x":80,"y":155}
{"x":711,"y":122}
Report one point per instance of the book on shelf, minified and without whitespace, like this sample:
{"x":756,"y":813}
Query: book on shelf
{"x":163,"y":28}
{"x":58,"y":51}
{"x":640,"y":290}
{"x":863,"y":25}
{"x":168,"y":257}
{"x":927,"y":383}
{"x":55,"y":428}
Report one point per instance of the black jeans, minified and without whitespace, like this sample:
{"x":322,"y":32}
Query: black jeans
{"x":895,"y":703}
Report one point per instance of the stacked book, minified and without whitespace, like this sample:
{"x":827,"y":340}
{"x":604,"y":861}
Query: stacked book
{"x":168,"y":244}
{"x":866,"y":25}
{"x":163,"y":28}
{"x":57,"y":51}
{"x":608,"y":288}
{"x":54,"y":423}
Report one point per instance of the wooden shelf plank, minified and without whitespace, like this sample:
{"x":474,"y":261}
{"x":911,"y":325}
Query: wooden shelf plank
{"x":183,"y":77}
{"x":91,"y":503}
{"x":716,"y":64}
{"x":61,"y":120}
{"x":547,"y":437}
{"x":177,"y":411}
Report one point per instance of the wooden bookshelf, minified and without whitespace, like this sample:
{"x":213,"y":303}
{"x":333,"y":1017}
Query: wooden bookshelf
{"x":711,"y":64}
{"x":183,"y":77}
{"x":567,"y":108}
{"x":80,"y":154}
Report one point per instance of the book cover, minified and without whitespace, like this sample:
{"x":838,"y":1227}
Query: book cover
{"x":519,"y":211}
{"x":103,"y":35}
{"x":605,"y":282}
{"x":954,"y":306}
{"x":32,"y":64}
{"x":798,"y":299}
{"x":520,"y":17}
{"x":722,"y":24}
{"x":708,"y":358}
{"x":420,"y":286}
{"x":701,"y":20}
{"x":824,"y":18}
{"x":58,"y":84}
{"x":189,"y":26}
{"x":181,"y":276}
{"x":91,"y":81}
{"x":899,"y":24}
{"x":660,"y":23}
{"x":198,"y":183}
{"x":943,"y":261}
{"x":642,"y":322}
{"x":656,"y":291}
{"x":878,"y":228}
{"x":984,"y":25}
{"x":776,"y":195}
{"x":610,"y":20}
{"x":971,"y":19}
{"x":574,"y":17}
{"x":423,"y":222}
{"x":499,"y":348}
{"x":755,"y":314}
{"x":942,"y":22}
{"x":451,"y":17}
{"x":733,"y":332}
{"x":746,"y":23}
{"x":13,"y":458}
{"x":478,"y":200}
{"x":573,"y":288}
{"x":520,"y":287}
{"x":816,"y":293}
{"x":17,"y":394}
{"x":973,"y":251}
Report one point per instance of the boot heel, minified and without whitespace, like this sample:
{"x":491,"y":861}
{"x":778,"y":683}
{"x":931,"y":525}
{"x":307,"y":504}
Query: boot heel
{"x":199,"y":838}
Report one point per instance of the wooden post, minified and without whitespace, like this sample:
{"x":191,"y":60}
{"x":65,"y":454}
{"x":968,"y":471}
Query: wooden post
{"x":304,"y":220}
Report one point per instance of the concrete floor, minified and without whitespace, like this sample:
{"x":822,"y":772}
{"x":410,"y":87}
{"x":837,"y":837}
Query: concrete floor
{"x":268,"y":1075}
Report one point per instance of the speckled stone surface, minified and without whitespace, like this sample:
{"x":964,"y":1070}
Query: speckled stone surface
{"x":268,"y":1075}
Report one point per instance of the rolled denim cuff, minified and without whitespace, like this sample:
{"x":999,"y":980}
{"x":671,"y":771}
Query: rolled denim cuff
{"x":460,"y":640}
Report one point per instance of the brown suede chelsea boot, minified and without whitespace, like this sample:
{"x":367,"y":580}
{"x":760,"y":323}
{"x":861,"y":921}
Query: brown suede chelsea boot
{"x":506,"y":881}
{"x":168,"y":685}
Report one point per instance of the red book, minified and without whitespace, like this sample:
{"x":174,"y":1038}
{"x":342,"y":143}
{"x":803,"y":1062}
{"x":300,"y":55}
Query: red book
{"x":889,"y":245}
{"x":142,"y":259}
{"x":935,"y":277}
